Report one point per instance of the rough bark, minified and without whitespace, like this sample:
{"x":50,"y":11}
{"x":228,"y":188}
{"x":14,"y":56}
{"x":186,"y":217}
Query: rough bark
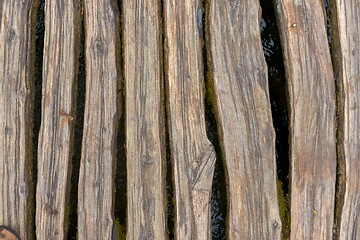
{"x":192,"y":154}
{"x":144,"y":120}
{"x":17,"y":26}
{"x":97,"y":167}
{"x":346,"y":39}
{"x":241,"y":99}
{"x":62,"y":20}
{"x":311,"y":88}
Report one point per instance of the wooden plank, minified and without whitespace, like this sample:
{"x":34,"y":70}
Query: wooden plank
{"x":17,"y":24}
{"x":241,"y":98}
{"x":193,"y":156}
{"x":97,"y":167}
{"x":145,"y":144}
{"x":62,"y":20}
{"x":311,"y":88}
{"x":346,"y":41}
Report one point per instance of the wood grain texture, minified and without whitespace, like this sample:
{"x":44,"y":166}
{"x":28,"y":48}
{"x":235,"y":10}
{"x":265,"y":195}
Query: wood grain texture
{"x":311,"y":88}
{"x":97,"y":167}
{"x":145,"y":126}
{"x":16,"y":96}
{"x":243,"y":113}
{"x":60,"y":60}
{"x":192,"y":154}
{"x":346,"y":41}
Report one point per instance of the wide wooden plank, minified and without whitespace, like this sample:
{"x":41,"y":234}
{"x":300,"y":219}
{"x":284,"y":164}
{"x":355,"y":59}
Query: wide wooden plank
{"x":192,"y":154}
{"x":17,"y":23}
{"x":62,"y":20}
{"x":97,"y":167}
{"x":312,"y":140}
{"x":346,"y":42}
{"x":241,"y":99}
{"x":145,"y":126}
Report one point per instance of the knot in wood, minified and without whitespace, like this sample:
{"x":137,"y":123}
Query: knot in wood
{"x":10,"y":35}
{"x":100,"y":46}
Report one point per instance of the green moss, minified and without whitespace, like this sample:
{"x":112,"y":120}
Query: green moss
{"x":120,"y":230}
{"x":284,"y":211}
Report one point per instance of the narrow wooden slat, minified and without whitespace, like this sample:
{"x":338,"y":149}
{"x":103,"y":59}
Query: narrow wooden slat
{"x":243,"y":112}
{"x":192,"y":154}
{"x":62,"y":20}
{"x":97,"y":167}
{"x":311,"y":87}
{"x":144,"y":120}
{"x":346,"y":42}
{"x":17,"y":22}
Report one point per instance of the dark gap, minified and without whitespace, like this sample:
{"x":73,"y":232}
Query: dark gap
{"x":120,"y":211}
{"x":328,"y":21}
{"x":169,"y":166}
{"x":335,"y":52}
{"x":39,"y":48}
{"x":219,"y":192}
{"x":279,"y":107}
{"x":80,"y":86}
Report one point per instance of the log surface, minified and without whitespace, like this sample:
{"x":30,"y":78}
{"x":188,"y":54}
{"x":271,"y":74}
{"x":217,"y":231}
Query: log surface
{"x":17,"y":23}
{"x":62,"y":20}
{"x":193,"y":156}
{"x":347,"y":58}
{"x":241,"y":98}
{"x":311,"y":88}
{"x":145,"y":126}
{"x":98,"y":157}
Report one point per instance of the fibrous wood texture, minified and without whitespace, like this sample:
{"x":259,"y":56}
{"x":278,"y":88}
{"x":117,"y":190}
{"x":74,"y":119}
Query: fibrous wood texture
{"x":145,"y":124}
{"x":57,"y":118}
{"x":16,"y":91}
{"x":241,"y":98}
{"x":311,"y":88}
{"x":192,"y":154}
{"x":347,"y":54}
{"x":97,"y":167}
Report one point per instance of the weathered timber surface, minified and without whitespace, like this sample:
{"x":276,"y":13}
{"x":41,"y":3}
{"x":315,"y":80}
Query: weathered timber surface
{"x":346,"y":48}
{"x":192,"y":154}
{"x":62,"y":20}
{"x":241,"y":97}
{"x":311,"y":88}
{"x":145,"y":124}
{"x":16,"y":96}
{"x":97,"y":167}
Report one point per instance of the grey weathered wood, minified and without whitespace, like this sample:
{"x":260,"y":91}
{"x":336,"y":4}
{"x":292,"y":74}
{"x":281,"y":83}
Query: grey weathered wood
{"x":62,"y":21}
{"x":17,"y":23}
{"x":311,"y":88}
{"x":145,"y":126}
{"x":346,"y":42}
{"x":192,"y":154}
{"x":97,"y":167}
{"x":241,"y":98}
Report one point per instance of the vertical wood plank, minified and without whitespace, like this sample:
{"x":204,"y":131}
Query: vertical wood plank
{"x":243,"y":112}
{"x":62,"y":20}
{"x":144,"y":120}
{"x":346,"y":42}
{"x":17,"y":25}
{"x":193,"y":156}
{"x":311,"y":88}
{"x":97,"y":167}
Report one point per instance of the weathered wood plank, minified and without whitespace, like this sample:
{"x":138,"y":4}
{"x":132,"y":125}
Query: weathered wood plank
{"x":241,"y":98}
{"x":97,"y":167}
{"x":62,"y":20}
{"x":346,"y":42}
{"x":193,"y":156}
{"x":144,"y":120}
{"x":311,"y":88}
{"x":17,"y":24}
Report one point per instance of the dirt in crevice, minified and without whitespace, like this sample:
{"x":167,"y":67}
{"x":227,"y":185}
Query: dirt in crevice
{"x":279,"y":108}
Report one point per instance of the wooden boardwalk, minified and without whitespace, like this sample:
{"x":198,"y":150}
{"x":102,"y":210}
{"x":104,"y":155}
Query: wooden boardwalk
{"x":152,"y":64}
